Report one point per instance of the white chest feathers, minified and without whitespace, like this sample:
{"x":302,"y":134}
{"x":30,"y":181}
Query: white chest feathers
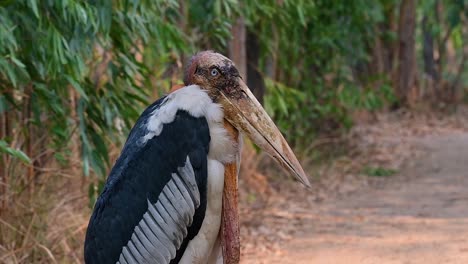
{"x":197,"y":103}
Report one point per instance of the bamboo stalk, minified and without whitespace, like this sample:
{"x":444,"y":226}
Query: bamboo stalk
{"x":27,"y":112}
{"x":5,"y":131}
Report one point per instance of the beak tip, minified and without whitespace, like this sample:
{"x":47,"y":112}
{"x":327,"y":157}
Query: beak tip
{"x":301,"y":176}
{"x":305,"y":181}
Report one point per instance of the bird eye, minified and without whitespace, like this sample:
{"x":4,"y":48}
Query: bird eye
{"x":214,"y":72}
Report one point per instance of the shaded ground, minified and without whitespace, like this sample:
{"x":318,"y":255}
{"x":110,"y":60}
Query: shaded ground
{"x":417,"y":216}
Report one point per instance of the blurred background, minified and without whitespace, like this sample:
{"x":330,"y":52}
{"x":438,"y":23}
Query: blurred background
{"x":351,"y":84}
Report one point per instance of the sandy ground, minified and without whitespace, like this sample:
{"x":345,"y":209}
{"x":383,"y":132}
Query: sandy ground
{"x":417,"y":216}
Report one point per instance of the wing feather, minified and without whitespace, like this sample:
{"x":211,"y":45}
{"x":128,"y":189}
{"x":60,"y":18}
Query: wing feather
{"x":158,"y":238}
{"x":154,"y":200}
{"x":176,"y":214}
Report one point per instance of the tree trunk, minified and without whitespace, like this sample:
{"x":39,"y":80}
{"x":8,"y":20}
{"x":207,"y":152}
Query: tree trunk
{"x":405,"y":81}
{"x":237,"y":50}
{"x":428,"y":50}
{"x":390,"y":46}
{"x":378,"y":60}
{"x":442,"y":40}
{"x":254,"y":77}
{"x":456,"y":91}
{"x":430,"y":72}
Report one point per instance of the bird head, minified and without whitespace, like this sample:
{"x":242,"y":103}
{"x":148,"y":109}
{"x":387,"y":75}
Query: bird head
{"x":219,"y":76}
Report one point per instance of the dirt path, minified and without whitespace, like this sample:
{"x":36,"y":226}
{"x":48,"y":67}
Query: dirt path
{"x":418,"y":216}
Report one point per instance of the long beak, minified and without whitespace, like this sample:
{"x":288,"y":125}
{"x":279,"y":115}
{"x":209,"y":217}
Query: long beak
{"x":246,"y":114}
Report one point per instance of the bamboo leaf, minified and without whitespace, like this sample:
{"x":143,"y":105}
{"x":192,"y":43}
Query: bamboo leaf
{"x":14,"y":152}
{"x":77,"y":87}
{"x":33,"y":5}
{"x":17,"y":62}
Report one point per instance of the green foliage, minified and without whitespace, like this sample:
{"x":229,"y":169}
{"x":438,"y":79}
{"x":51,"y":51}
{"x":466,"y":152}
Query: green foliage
{"x":355,"y":97}
{"x":445,"y":23}
{"x":213,"y":20}
{"x":86,"y":52}
{"x":379,"y":171}
{"x":315,"y":45}
{"x":300,"y":115}
{"x":283,"y":104}
{"x":88,"y":68}
{"x":4,"y":148}
{"x":75,"y":64}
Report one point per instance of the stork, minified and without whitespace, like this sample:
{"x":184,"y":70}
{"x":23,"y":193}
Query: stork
{"x":171,"y":196}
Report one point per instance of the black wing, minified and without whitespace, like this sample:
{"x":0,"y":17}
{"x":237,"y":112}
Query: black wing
{"x":154,"y":200}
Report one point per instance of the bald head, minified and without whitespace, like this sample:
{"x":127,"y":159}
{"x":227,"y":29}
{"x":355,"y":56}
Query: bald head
{"x":205,"y":62}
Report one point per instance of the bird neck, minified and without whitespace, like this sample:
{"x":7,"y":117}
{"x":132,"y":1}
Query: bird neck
{"x":230,"y":240}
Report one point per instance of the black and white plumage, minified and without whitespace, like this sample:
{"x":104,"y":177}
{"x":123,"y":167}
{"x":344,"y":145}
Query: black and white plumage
{"x":163,"y":200}
{"x":155,"y":199}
